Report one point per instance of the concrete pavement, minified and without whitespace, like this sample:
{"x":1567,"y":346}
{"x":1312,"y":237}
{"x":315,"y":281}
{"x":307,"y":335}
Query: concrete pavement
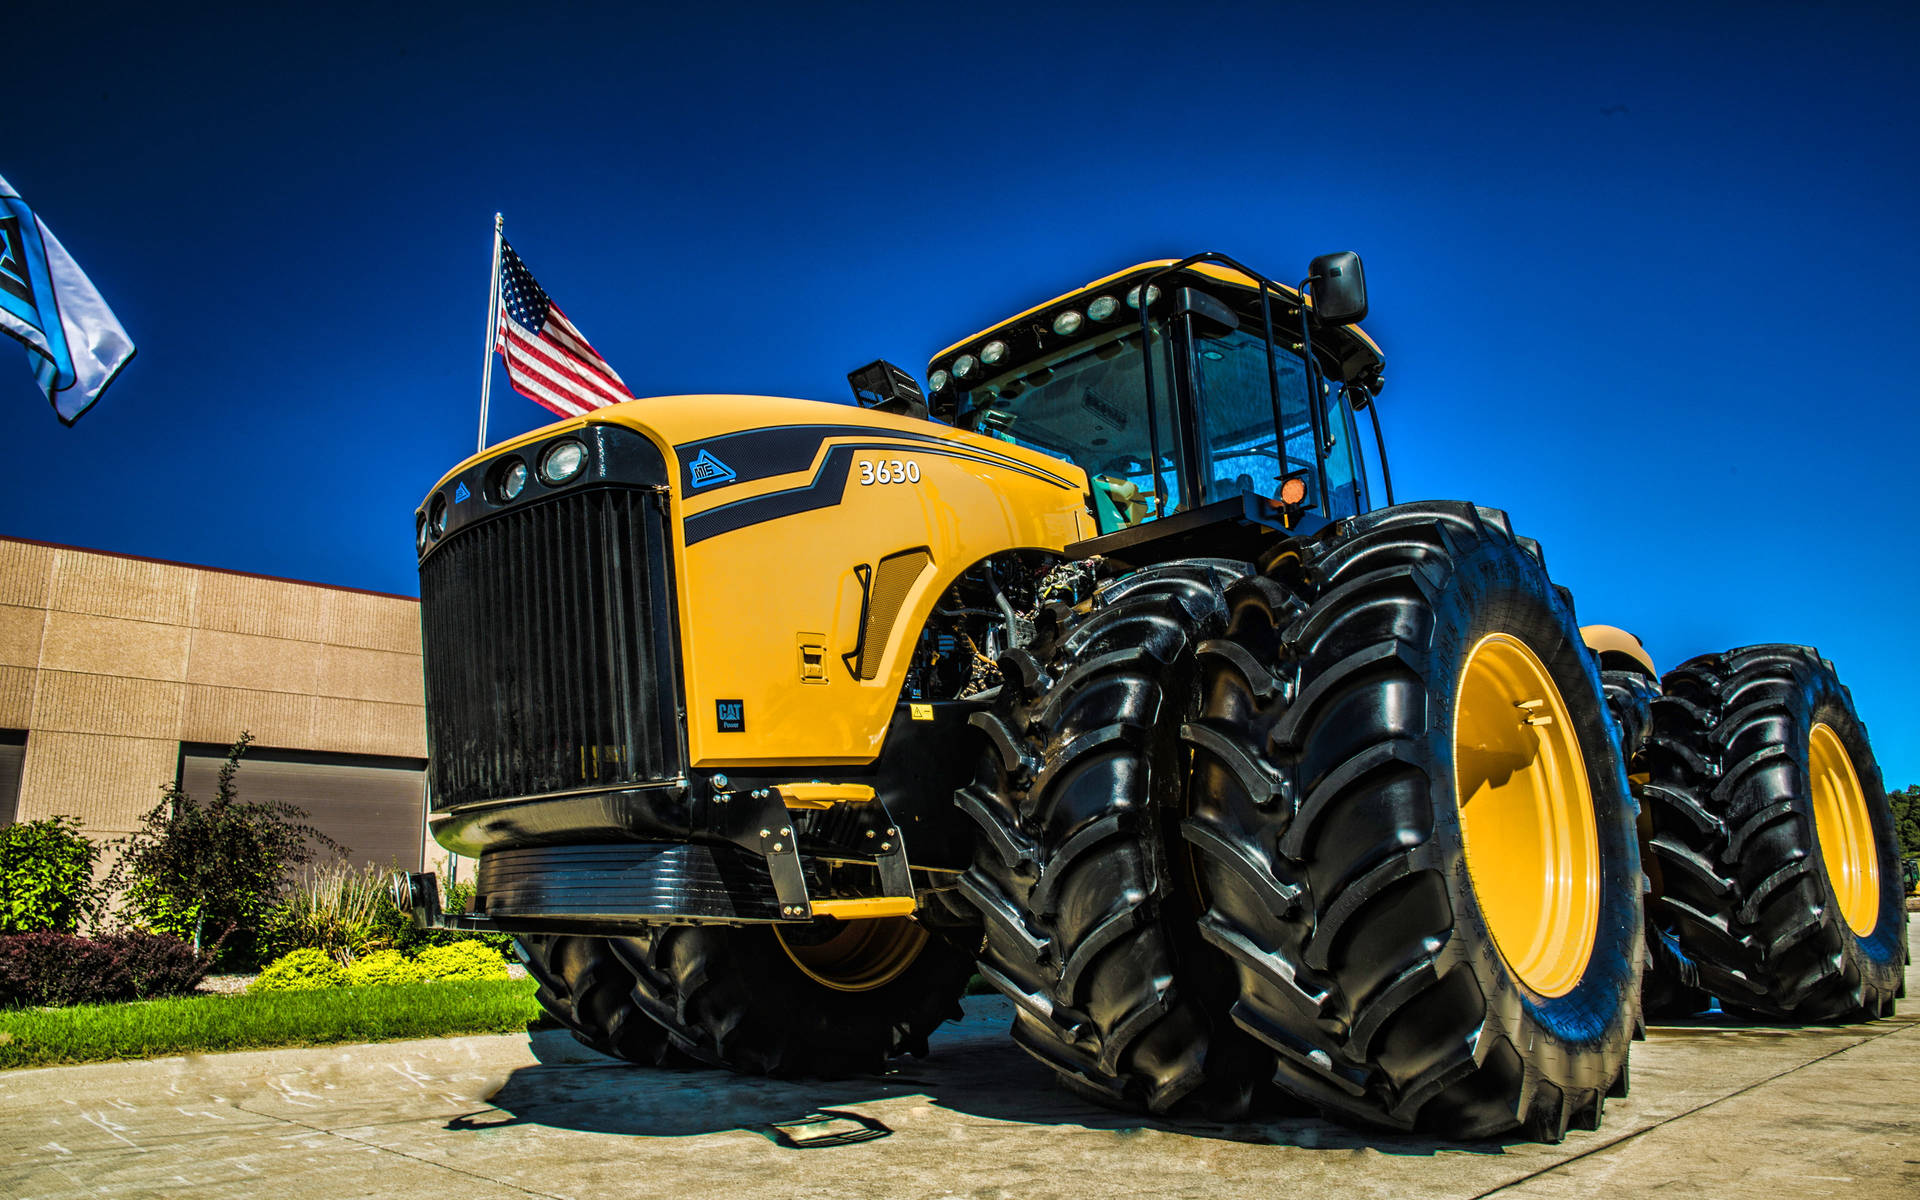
{"x":1716,"y":1110}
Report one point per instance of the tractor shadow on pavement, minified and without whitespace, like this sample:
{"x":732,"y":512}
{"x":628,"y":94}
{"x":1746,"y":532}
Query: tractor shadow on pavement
{"x":974,"y":1069}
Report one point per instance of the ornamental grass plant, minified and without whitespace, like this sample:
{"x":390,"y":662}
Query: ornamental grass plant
{"x":336,"y":909}
{"x":349,"y":913}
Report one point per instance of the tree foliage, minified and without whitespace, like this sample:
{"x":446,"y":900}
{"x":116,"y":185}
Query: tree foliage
{"x":203,"y":871}
{"x":1906,"y":818}
{"x":46,"y":877}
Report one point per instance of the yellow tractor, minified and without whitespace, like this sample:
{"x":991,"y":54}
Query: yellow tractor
{"x":1096,"y":669}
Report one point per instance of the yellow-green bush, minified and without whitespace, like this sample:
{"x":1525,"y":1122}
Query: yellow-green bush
{"x":462,"y":960}
{"x":300,"y":971}
{"x":384,"y":967}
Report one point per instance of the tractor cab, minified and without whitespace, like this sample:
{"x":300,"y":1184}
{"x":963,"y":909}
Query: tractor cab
{"x":1181,"y":387}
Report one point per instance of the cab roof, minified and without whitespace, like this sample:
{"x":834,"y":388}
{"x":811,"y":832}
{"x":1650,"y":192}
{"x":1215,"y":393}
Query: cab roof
{"x":1346,"y":351}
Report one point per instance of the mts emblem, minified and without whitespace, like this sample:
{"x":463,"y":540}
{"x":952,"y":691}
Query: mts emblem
{"x":733,"y":715}
{"x":706,"y":470}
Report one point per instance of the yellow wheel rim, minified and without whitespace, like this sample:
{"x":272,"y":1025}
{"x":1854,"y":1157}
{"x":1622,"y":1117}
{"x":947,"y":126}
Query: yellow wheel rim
{"x":1526,"y":815}
{"x":854,"y":956}
{"x":1845,"y":830}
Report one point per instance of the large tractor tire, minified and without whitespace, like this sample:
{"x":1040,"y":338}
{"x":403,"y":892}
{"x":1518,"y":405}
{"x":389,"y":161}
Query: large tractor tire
{"x":1089,"y":905}
{"x":832,"y":999}
{"x":1412,"y":820}
{"x":1774,"y":840}
{"x":585,"y":987}
{"x":1669,"y":984}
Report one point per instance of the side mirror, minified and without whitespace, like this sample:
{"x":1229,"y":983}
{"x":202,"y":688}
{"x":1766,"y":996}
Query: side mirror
{"x":1339,"y":288}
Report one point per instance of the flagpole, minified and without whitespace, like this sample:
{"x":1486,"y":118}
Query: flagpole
{"x":493,"y":313}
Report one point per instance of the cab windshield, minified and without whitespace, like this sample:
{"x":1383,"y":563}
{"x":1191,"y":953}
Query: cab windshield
{"x":1089,"y":406}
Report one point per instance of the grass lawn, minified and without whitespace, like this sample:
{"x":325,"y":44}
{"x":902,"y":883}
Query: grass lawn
{"x":39,"y":1037}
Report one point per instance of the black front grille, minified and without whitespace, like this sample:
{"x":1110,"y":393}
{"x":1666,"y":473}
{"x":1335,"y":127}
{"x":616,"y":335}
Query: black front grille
{"x":548,"y":633}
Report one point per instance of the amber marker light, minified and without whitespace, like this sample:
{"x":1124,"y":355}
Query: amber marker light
{"x":1293,"y":491}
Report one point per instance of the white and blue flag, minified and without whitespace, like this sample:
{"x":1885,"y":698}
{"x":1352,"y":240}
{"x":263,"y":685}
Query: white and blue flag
{"x":74,"y":341}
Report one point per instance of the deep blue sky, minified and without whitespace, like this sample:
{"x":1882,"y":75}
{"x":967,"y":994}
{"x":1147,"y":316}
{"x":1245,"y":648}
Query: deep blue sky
{"x":1644,"y":278}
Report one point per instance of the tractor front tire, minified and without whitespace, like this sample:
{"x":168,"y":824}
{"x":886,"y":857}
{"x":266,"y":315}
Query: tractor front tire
{"x":830,"y":999}
{"x":585,"y":986}
{"x":1774,"y":840}
{"x":1412,"y":820}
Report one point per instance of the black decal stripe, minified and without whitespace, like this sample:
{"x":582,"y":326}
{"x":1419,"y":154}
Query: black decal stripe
{"x":827,"y":488}
{"x":783,"y":449}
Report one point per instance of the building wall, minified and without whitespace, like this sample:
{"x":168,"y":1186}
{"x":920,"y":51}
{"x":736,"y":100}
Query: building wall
{"x":109,"y":663}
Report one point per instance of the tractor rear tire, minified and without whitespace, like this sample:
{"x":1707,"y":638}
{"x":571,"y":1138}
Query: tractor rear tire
{"x":1375,"y":683}
{"x":1774,"y":839}
{"x":1669,"y":986}
{"x":833,"y":999}
{"x":1087,"y":899}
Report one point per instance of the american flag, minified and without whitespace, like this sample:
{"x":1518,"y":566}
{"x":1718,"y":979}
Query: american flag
{"x":548,"y":360}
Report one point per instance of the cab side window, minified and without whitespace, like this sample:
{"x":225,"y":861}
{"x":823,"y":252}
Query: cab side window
{"x":1346,"y":472}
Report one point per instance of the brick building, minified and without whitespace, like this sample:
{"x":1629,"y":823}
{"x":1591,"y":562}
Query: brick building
{"x":118,"y":674}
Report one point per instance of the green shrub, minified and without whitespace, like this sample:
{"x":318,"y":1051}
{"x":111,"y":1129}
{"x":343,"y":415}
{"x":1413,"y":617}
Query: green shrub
{"x":46,"y":877}
{"x":383,"y":967}
{"x":462,"y":960}
{"x":300,"y":971}
{"x":59,"y":968}
{"x":217,"y":867}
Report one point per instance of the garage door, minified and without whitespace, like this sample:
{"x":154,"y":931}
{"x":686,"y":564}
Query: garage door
{"x":13,"y":751}
{"x":373,"y":806}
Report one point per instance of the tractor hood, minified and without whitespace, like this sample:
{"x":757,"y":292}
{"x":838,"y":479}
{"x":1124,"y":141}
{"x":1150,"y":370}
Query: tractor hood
{"x":804,"y":544}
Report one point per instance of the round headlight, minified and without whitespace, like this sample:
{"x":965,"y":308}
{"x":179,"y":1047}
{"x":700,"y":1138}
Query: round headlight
{"x":964,"y":365}
{"x":1102,"y":308}
{"x":420,"y":532}
{"x":993,"y":352}
{"x":1067,"y":322}
{"x":562,"y":461}
{"x":936,"y":381}
{"x":513,"y":480}
{"x":1133,"y":297}
{"x":437,"y":516}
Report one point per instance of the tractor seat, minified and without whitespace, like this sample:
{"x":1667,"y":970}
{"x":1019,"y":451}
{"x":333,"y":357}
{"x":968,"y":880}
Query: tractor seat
{"x":1123,"y":498}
